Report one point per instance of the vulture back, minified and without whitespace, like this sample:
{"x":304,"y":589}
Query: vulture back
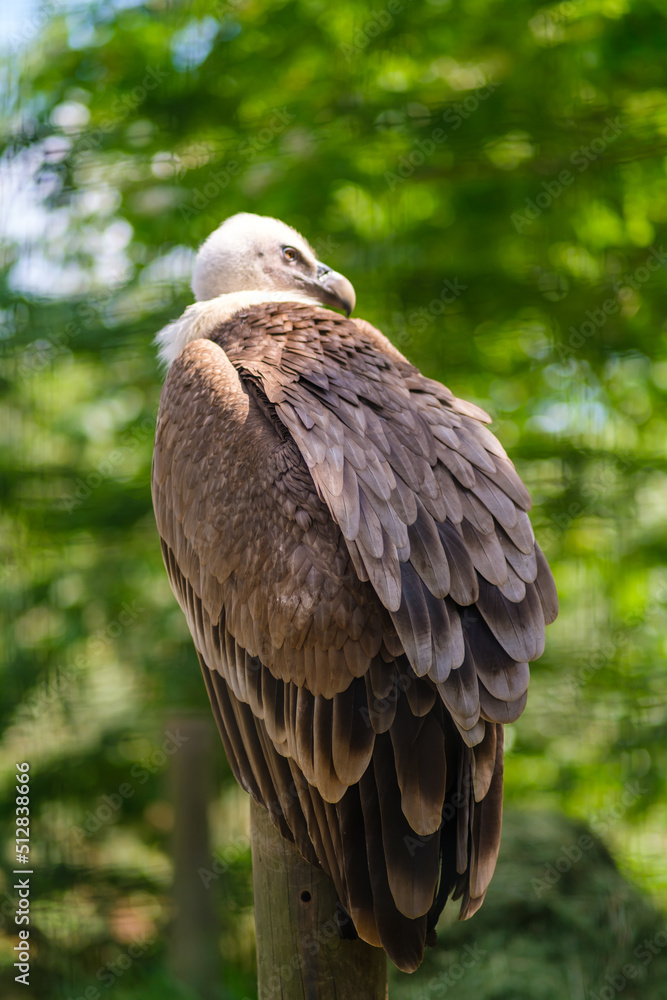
{"x":352,"y":551}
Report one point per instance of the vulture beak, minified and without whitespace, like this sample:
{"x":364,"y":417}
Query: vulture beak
{"x":333,"y":289}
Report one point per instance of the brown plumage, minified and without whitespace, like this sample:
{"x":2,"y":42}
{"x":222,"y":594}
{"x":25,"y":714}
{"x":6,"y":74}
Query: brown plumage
{"x":350,"y":546}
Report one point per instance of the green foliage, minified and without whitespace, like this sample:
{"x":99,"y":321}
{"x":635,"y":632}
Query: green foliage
{"x":491,"y":177}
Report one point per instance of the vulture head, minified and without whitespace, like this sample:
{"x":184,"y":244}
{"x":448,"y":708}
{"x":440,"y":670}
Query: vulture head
{"x":250,"y":253}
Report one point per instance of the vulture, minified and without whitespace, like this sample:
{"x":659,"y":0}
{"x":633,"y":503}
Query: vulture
{"x":351,"y":548}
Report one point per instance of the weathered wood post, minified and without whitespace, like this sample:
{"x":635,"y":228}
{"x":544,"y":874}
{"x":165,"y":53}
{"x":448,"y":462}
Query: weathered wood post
{"x":300,"y":954}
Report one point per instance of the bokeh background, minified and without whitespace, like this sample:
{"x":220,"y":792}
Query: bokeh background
{"x":492,"y":177}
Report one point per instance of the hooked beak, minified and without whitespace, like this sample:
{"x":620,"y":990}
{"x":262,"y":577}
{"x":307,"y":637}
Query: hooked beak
{"x":333,"y":289}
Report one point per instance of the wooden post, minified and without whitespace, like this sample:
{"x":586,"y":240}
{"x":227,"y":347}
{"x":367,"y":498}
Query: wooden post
{"x":300,"y":954}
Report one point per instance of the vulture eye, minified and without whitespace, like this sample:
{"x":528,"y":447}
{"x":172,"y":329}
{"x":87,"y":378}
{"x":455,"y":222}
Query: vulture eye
{"x":290,"y":254}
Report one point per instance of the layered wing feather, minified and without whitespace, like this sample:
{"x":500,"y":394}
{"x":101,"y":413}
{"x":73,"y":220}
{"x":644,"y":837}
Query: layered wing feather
{"x":426,"y":499}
